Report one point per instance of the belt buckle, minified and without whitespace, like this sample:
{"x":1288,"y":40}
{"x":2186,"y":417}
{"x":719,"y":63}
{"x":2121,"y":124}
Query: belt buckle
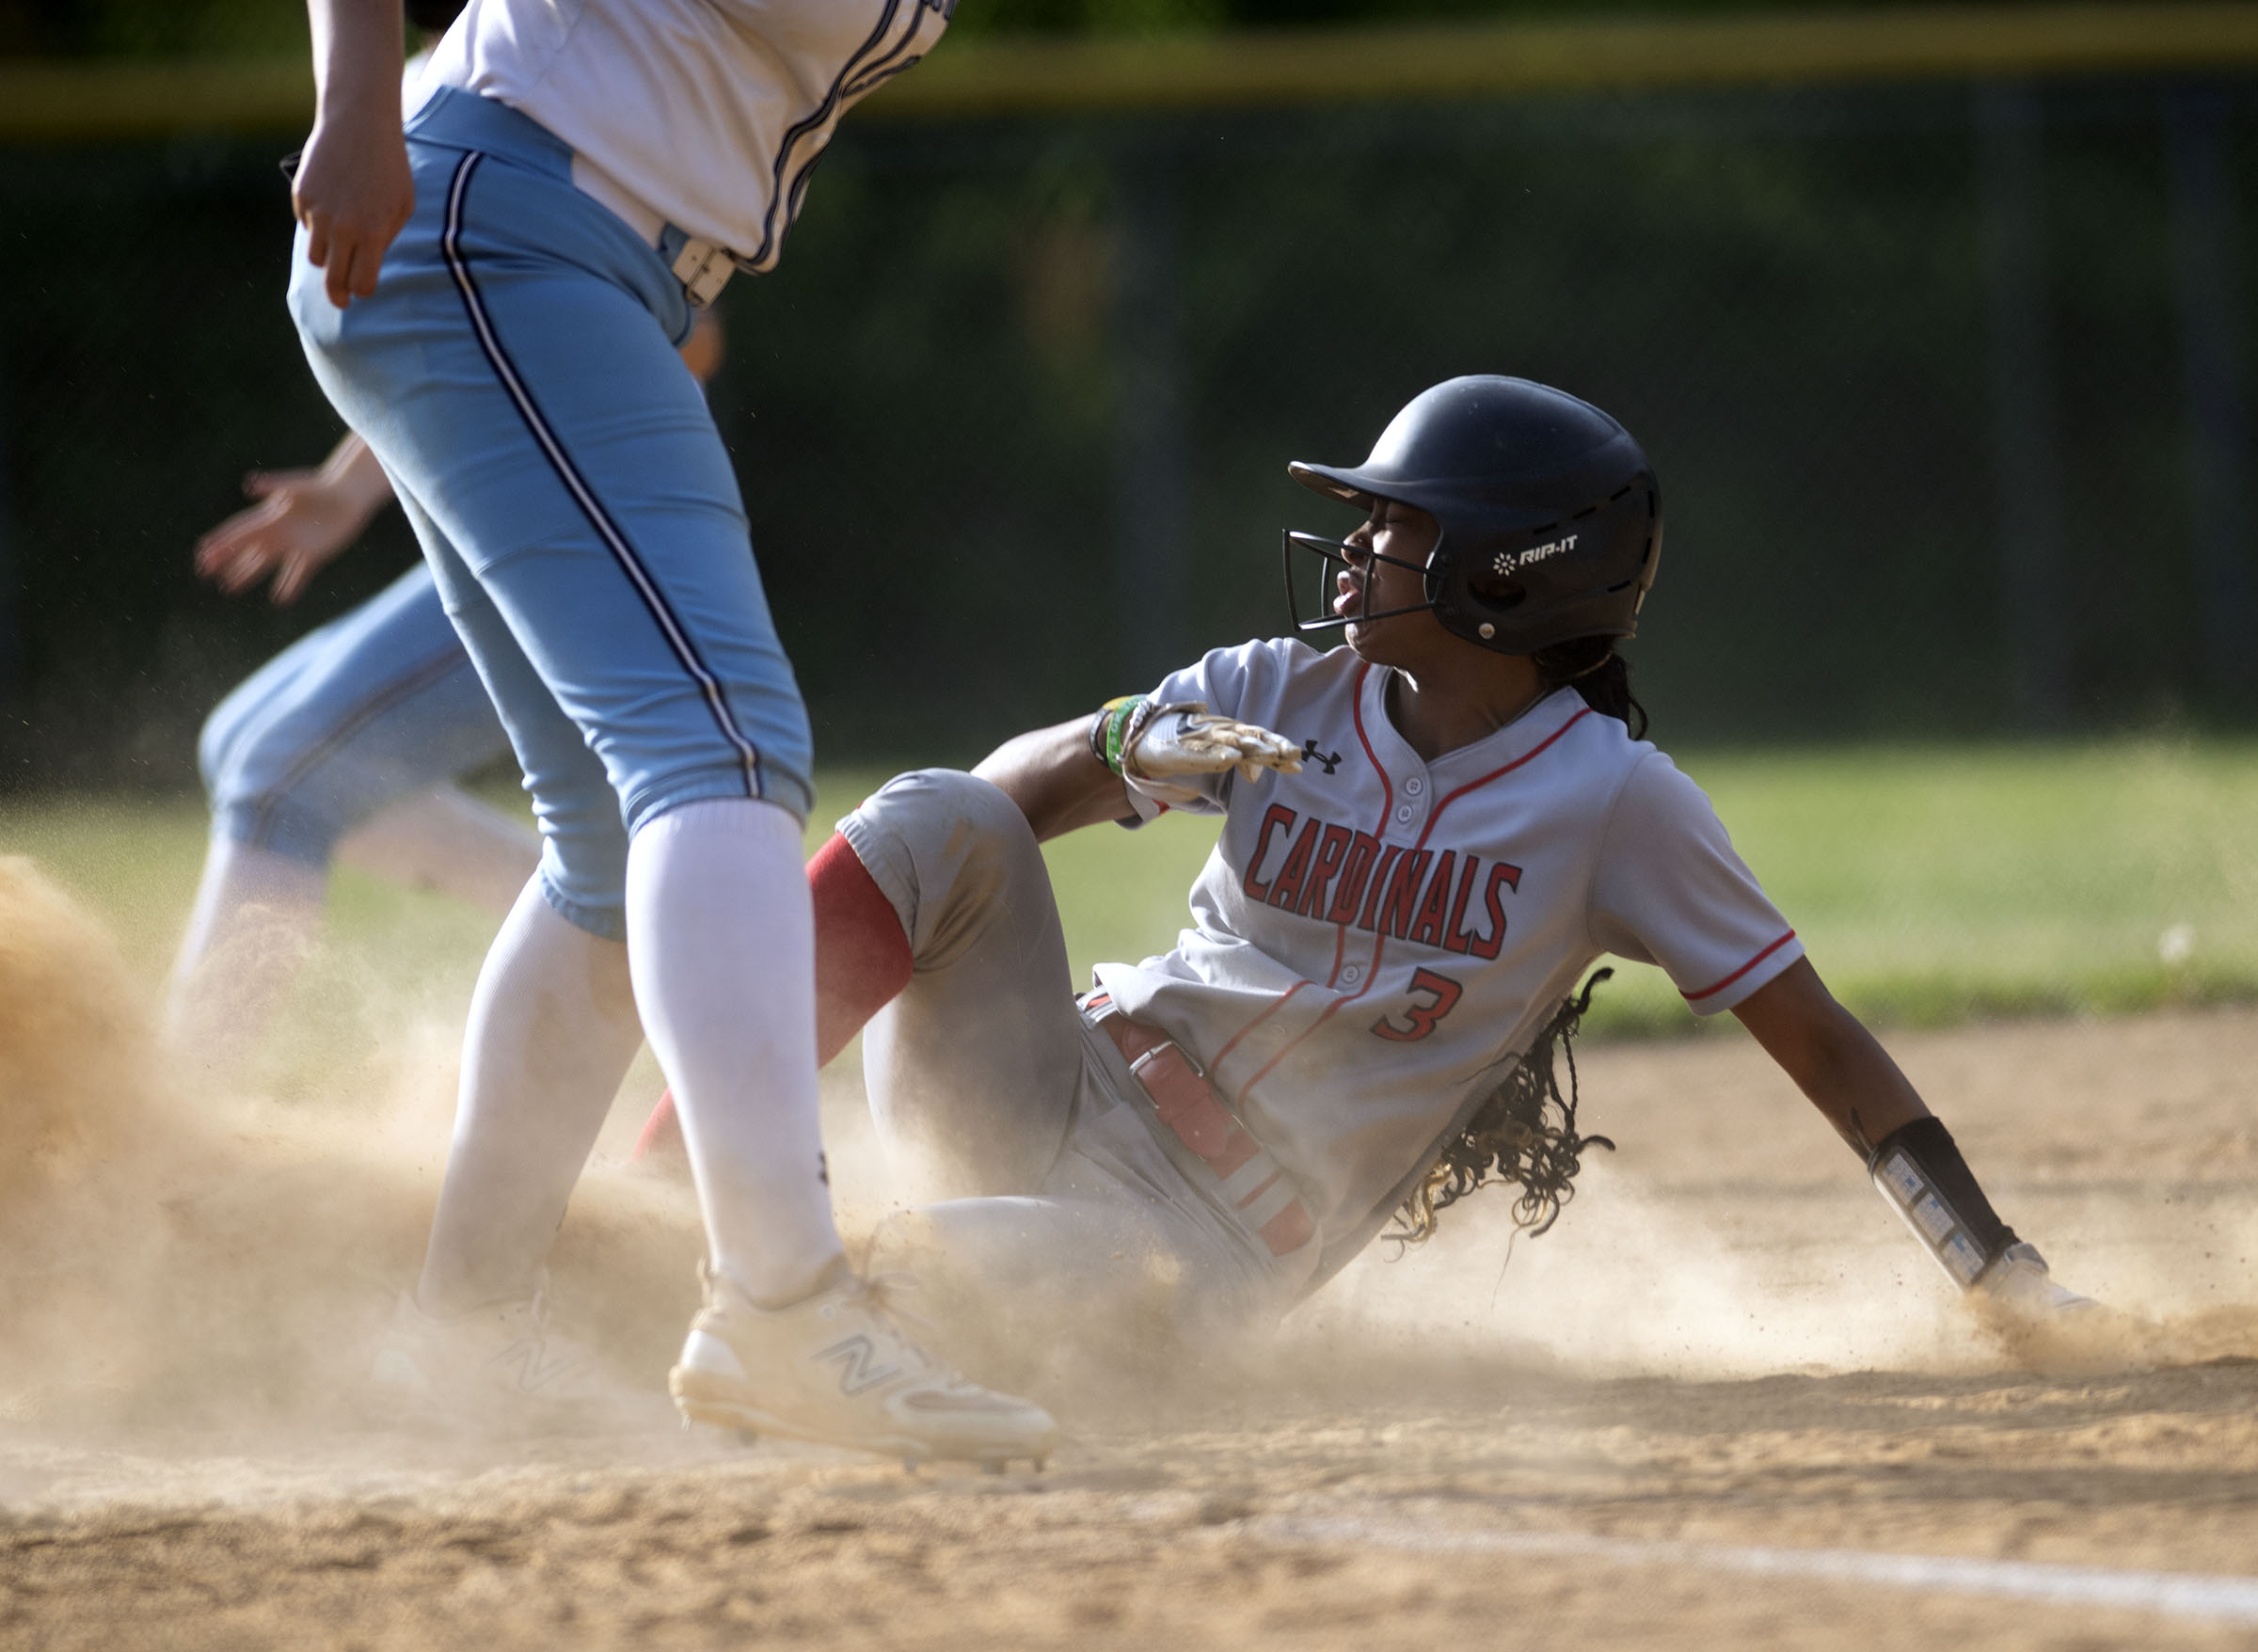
{"x":1101,"y":1008}
{"x":704,"y":269}
{"x":1170,"y":1046}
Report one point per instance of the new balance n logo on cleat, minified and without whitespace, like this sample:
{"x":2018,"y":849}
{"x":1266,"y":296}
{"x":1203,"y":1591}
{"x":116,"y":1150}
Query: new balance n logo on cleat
{"x":858,"y":1360}
{"x":535,"y":1366}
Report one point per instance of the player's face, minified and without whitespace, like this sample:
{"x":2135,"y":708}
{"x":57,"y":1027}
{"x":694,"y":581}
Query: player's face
{"x":1404,"y":533}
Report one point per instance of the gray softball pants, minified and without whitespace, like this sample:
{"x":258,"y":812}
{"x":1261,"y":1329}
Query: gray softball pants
{"x":1050,"y":1194}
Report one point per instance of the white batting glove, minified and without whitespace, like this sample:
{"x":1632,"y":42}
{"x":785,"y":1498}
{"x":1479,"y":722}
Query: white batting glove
{"x":1186,"y":738}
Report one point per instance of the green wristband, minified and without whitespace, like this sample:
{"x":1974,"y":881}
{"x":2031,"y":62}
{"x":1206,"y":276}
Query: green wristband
{"x":1110,"y":727}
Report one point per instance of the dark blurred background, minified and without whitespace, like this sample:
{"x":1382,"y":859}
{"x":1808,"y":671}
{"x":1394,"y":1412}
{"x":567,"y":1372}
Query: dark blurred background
{"x":1944,"y":375}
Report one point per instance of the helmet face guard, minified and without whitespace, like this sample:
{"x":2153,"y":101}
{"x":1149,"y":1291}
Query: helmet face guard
{"x":1332,"y":553}
{"x":1548,"y":519}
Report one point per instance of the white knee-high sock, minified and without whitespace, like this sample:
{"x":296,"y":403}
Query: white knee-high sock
{"x":723,"y":934}
{"x":256,"y":913}
{"x":552,"y":1029}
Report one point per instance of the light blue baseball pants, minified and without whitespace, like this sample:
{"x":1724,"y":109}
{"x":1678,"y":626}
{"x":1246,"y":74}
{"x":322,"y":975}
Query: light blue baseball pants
{"x":516,"y":373}
{"x":376,"y":704}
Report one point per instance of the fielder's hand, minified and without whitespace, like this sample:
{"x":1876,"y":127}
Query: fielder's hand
{"x":353,"y":190}
{"x":354,"y":193}
{"x":1186,"y":738}
{"x":306,"y":517}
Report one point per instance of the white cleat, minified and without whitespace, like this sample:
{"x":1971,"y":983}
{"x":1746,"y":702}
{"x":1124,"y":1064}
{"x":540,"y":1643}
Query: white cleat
{"x":2019,"y":1281}
{"x":500,"y":1365}
{"x":836,"y":1369}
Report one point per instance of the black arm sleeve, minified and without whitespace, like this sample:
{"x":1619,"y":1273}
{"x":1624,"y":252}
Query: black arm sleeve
{"x":1920,"y":1171}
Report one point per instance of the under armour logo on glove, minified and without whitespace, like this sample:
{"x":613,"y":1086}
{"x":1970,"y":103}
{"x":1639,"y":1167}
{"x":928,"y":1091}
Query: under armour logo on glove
{"x":1312,"y":754}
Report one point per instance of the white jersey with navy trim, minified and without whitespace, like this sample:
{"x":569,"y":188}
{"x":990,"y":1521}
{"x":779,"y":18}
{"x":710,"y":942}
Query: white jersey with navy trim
{"x":706,"y":114}
{"x":1375,"y":938}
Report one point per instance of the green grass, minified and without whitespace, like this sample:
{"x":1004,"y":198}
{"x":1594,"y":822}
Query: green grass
{"x":1934,"y":884}
{"x":1930,"y":884}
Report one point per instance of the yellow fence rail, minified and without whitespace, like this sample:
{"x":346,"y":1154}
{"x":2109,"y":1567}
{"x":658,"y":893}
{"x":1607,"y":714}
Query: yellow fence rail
{"x":60,"y":102}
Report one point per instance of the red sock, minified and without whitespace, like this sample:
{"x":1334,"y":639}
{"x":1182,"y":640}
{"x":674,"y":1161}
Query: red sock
{"x":862,"y":961}
{"x":662,"y":1131}
{"x":862,"y":956}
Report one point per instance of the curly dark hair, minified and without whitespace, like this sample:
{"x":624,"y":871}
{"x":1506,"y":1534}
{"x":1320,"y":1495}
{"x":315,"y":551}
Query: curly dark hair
{"x":1510,"y":1137}
{"x":1598,"y":673}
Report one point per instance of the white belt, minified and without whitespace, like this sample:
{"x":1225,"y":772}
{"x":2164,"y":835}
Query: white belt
{"x":704,"y":269}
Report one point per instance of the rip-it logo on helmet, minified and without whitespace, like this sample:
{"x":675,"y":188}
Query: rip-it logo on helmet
{"x":1548,"y":518}
{"x":1506,"y":561}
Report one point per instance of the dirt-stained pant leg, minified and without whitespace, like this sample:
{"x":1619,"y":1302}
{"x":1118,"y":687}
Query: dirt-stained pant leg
{"x":1052,"y":1234}
{"x":972,"y":1071}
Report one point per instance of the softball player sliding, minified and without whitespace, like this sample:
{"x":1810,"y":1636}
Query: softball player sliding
{"x":1427,"y":838}
{"x":343,"y":746}
{"x":494,"y":304}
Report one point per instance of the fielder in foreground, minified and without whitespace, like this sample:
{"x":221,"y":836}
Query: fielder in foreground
{"x":1428,"y":838}
{"x":494,"y":301}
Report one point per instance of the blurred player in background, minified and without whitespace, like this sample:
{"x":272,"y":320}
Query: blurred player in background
{"x":494,"y":304}
{"x":1428,"y":837}
{"x":344,"y":748}
{"x":336,"y":733}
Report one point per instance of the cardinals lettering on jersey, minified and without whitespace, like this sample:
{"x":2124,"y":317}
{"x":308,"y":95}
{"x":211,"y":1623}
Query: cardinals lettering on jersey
{"x":1344,"y":875}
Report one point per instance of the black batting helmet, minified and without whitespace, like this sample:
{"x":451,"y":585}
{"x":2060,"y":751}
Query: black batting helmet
{"x":1551,"y":523}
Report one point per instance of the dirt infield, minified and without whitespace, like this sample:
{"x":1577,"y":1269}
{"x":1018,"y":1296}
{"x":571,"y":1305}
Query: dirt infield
{"x":1300,"y":1526}
{"x":1705,"y":1411}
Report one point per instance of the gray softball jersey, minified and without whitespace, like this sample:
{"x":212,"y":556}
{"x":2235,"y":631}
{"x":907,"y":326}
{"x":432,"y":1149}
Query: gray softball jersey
{"x":1376,"y":937}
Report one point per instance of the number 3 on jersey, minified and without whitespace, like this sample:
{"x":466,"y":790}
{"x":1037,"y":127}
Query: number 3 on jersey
{"x":1443,"y":992}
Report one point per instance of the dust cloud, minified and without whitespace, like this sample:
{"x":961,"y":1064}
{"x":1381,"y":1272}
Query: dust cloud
{"x":176,"y":1253}
{"x":1728,"y":1339}
{"x":1733,"y":1237}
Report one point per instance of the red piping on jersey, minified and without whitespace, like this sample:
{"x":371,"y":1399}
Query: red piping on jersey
{"x":1371,"y":976}
{"x":1356,"y":711}
{"x":1720,"y":985}
{"x":1276,"y":1005}
{"x":1381,"y":942}
{"x":1484,"y":780}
